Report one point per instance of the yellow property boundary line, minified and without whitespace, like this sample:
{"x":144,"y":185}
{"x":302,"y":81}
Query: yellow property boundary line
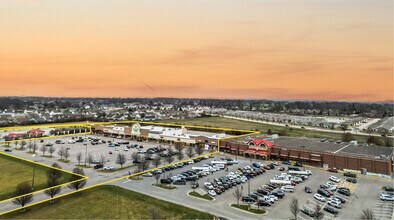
{"x":43,"y":165}
{"x":46,"y":126}
{"x":248,"y":132}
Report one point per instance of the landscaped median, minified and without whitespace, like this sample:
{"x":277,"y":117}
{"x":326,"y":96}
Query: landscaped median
{"x":198,"y":195}
{"x":247,"y":208}
{"x":164,"y":186}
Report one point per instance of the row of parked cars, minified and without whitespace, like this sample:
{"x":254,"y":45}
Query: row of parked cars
{"x":240,"y":176}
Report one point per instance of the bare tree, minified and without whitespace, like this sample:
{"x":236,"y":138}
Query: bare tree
{"x":343,"y":127}
{"x":157,"y":177}
{"x":30,"y":146}
{"x":178,"y":148}
{"x":120,"y":159}
{"x":34,"y":147}
{"x":66,"y":154}
{"x":237,"y":194}
{"x":53,"y":176}
{"x":143,"y":165}
{"x":199,"y":149}
{"x":90,"y":158}
{"x":154,"y":213}
{"x":294,"y":207}
{"x":23,"y":189}
{"x":77,"y":184}
{"x":60,"y":152}
{"x":16,"y":144}
{"x":180,"y":156}
{"x":367,"y":214}
{"x":51,"y":150}
{"x":157,"y":161}
{"x":103,"y":159}
{"x":79,"y":157}
{"x":318,"y":212}
{"x":43,"y":149}
{"x":135,"y":157}
{"x":170,"y":159}
{"x":190,"y":152}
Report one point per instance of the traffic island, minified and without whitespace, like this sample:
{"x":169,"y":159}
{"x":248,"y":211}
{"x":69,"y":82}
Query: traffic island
{"x":164,"y":186}
{"x":247,"y":208}
{"x":198,"y":195}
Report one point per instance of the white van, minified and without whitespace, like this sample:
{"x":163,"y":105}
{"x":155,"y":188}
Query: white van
{"x":288,"y":188}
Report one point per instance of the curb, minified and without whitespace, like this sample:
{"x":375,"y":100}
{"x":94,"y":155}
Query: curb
{"x":251,"y":213}
{"x":206,"y":200}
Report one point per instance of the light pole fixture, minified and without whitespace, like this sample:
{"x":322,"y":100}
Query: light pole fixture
{"x":34,"y":171}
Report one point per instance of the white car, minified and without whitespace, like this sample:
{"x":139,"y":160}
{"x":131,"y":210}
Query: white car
{"x":268,"y":199}
{"x":335,"y":179}
{"x":190,"y":162}
{"x":109,"y":168}
{"x":273,"y":197}
{"x":125,"y":149}
{"x":319,"y":197}
{"x":148,"y":174}
{"x":71,"y":141}
{"x":211,"y":193}
{"x":331,"y":185}
{"x":287,"y":188}
{"x":386,"y":197}
{"x":335,"y":204}
{"x":208,"y":185}
{"x":333,"y":199}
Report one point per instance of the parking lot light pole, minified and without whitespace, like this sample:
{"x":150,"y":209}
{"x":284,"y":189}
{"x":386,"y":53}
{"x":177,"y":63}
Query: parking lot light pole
{"x":86,"y":152}
{"x":34,"y":171}
{"x":249,"y":186}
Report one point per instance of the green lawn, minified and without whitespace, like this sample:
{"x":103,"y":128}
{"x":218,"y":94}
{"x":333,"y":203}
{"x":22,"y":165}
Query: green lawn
{"x":14,"y":171}
{"x":107,"y":202}
{"x":245,"y":125}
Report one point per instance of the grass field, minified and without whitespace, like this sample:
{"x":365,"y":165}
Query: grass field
{"x":14,"y":171}
{"x":245,"y":125}
{"x":108,"y":202}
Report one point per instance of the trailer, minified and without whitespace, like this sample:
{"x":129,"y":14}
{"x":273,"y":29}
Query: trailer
{"x":201,"y":168}
{"x":280,"y":182}
{"x":299,"y":172}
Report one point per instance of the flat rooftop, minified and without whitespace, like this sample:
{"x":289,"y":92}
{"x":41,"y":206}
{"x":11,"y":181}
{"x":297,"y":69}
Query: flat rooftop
{"x":314,"y":144}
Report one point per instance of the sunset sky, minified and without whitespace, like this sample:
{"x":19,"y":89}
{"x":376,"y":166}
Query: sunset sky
{"x":279,"y":49}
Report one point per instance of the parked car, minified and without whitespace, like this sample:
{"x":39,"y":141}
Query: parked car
{"x":212,"y":192}
{"x":340,"y":199}
{"x":323,"y":192}
{"x":348,"y":174}
{"x":308,"y":212}
{"x":334,"y":170}
{"x":330,"y":210}
{"x":179,"y":182}
{"x":308,"y":189}
{"x":352,"y":180}
{"x":344,"y":192}
{"x":98,"y":166}
{"x":335,"y":179}
{"x":165,"y":181}
{"x":147,"y":174}
{"x":248,"y":199}
{"x":263,"y":203}
{"x":319,"y":197}
{"x":388,"y":188}
{"x":109,"y":168}
{"x":8,"y":150}
{"x":386,"y":197}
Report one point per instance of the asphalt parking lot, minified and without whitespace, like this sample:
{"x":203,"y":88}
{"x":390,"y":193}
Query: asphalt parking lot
{"x":364,"y":193}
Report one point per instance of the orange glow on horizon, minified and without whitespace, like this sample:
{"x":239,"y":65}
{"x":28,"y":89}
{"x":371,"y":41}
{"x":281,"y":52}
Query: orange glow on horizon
{"x":330,"y":50}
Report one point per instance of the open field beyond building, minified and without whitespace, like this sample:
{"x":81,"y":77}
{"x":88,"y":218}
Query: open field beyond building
{"x":108,"y":202}
{"x":14,"y":171}
{"x":245,"y":125}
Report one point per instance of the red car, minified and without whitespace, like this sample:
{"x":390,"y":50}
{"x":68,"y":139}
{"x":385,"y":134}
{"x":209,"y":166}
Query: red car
{"x":334,"y":170}
{"x":110,"y":152}
{"x":281,"y":168}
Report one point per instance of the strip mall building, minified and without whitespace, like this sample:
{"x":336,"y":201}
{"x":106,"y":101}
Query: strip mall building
{"x":160,"y":133}
{"x":344,"y":156}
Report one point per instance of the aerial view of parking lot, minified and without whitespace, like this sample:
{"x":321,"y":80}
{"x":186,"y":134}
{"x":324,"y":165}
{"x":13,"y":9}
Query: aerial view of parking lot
{"x":196,"y":109}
